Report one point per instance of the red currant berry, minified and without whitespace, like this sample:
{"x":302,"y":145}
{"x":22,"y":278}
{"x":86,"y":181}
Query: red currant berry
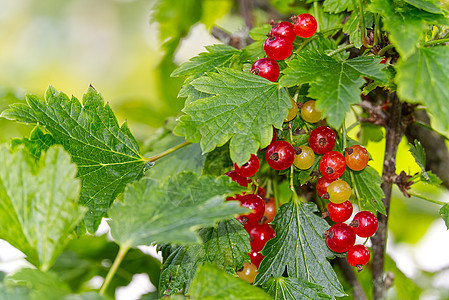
{"x":332,"y":165}
{"x":321,"y":187}
{"x":256,"y":258}
{"x":261,"y":192}
{"x":259,"y":235}
{"x":304,"y":157}
{"x":309,"y":112}
{"x":340,"y":212}
{"x":356,"y":157}
{"x":248,"y":272}
{"x":280,"y":155}
{"x":339,"y":191}
{"x":322,"y":139}
{"x":305,"y":25}
{"x":384,"y":60}
{"x":239,"y":179}
{"x":364,"y":224}
{"x":358,"y":256}
{"x":253,"y":202}
{"x":284,"y":29}
{"x":266,"y":68}
{"x":340,"y":237}
{"x":270,"y":211}
{"x":277,"y":47}
{"x":248,"y":169}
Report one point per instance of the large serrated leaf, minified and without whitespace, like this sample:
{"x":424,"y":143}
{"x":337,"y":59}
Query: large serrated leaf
{"x":337,"y":6}
{"x":423,"y":78}
{"x":225,"y":245}
{"x":38,"y":203}
{"x":36,"y":143}
{"x":300,"y":249}
{"x":291,"y":288}
{"x":211,"y":283}
{"x":367,"y":182}
{"x":244,"y":109}
{"x":107,"y":155}
{"x":334,"y":84}
{"x":171,"y":210}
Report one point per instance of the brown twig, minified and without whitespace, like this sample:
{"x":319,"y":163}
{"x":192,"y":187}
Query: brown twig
{"x":393,"y":135}
{"x":348,"y":273}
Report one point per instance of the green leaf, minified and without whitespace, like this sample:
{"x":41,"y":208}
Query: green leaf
{"x":405,"y":23}
{"x":171,"y":210}
{"x":38,"y":203}
{"x":428,"y":6}
{"x":370,"y":132}
{"x":334,"y":84}
{"x":212,"y":283}
{"x":337,"y":6}
{"x":291,"y":288}
{"x":300,"y":248}
{"x":352,"y":27}
{"x":244,"y":109}
{"x":423,"y":78}
{"x":107,"y":155}
{"x":37,"y":143}
{"x":444,"y":213}
{"x":420,"y":156}
{"x":260,"y":33}
{"x":225,"y":245}
{"x":218,"y":161}
{"x":431,"y":179}
{"x":367,"y":182}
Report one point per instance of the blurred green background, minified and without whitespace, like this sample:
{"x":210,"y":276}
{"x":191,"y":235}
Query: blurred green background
{"x":127,"y":51}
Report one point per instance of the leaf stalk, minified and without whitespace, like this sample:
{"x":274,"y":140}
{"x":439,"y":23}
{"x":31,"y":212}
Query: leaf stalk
{"x":167,"y":152}
{"x":118,"y":260}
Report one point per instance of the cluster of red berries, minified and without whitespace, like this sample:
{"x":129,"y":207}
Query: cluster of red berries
{"x":279,"y":44}
{"x":257,"y":222}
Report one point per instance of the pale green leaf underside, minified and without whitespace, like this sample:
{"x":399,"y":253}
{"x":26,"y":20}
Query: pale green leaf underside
{"x":334,"y":84}
{"x":424,"y":77}
{"x":38,"y":204}
{"x":171,"y":210}
{"x":243,"y":110}
{"x":107,"y":155}
{"x":300,"y":248}
{"x":211,"y":283}
{"x":291,"y":288}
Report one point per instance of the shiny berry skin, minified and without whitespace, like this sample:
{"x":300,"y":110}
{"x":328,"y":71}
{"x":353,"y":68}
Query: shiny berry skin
{"x":256,"y":258}
{"x":270,"y":211}
{"x":304,"y":157}
{"x":248,"y":169}
{"x":356,"y":157}
{"x":248,"y":272}
{"x":277,"y":47}
{"x":309,"y":113}
{"x":242,"y":181}
{"x":340,"y":212}
{"x":253,"y":202}
{"x":259,"y":235}
{"x":340,"y":237}
{"x":358,"y":256}
{"x":280,"y":155}
{"x":332,"y":165}
{"x":322,"y":139}
{"x":284,"y":29}
{"x":292,"y":112}
{"x":339,"y":191}
{"x":384,"y":60}
{"x":305,"y":25}
{"x":364,"y":224}
{"x":266,"y":68}
{"x":321,"y":187}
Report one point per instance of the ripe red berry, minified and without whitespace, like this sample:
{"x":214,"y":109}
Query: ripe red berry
{"x":253,"y":202}
{"x":322,"y":139}
{"x":266,"y":68}
{"x":356,"y":157}
{"x":364,"y":224}
{"x":270,"y":211}
{"x":248,"y":169}
{"x":384,"y":60}
{"x":332,"y":165}
{"x":284,"y":29}
{"x":280,"y":155}
{"x":340,"y":212}
{"x":305,"y":25}
{"x":277,"y":47}
{"x":340,"y":237}
{"x":256,"y":258}
{"x":358,"y":256}
{"x":243,"y":181}
{"x":321,"y":187}
{"x":259,"y":235}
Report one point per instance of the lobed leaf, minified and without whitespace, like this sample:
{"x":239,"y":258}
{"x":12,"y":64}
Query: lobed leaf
{"x":107,"y":155}
{"x":291,"y":288}
{"x":367,"y":183}
{"x":337,"y":6}
{"x":37,"y":143}
{"x":38,"y":203}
